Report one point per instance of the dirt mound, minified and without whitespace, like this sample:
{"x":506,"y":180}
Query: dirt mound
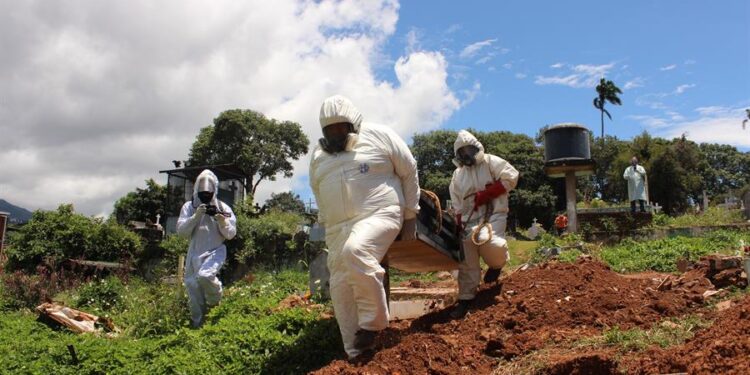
{"x":553,"y":303}
{"x":584,"y":364}
{"x":721,"y":349}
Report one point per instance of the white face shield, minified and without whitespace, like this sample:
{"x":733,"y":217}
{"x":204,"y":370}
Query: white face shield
{"x":206,"y":189}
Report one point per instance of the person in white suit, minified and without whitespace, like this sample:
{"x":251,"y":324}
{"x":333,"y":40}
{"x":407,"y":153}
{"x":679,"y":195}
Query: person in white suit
{"x":207,"y":222}
{"x":479,"y":193}
{"x":636,"y":176}
{"x":364,"y":178}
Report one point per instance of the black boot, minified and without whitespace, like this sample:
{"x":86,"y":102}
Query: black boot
{"x":492,"y":275}
{"x":462,"y":307}
{"x":364,"y":339}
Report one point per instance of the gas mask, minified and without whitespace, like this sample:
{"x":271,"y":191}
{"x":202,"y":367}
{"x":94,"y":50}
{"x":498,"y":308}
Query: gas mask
{"x":336,"y":137}
{"x":206,"y":196}
{"x":467,"y":155}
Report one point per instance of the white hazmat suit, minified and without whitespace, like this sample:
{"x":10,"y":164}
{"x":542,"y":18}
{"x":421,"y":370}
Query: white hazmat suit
{"x":636,"y":176}
{"x":364,"y":194}
{"x":470,"y":180}
{"x":207,"y":251}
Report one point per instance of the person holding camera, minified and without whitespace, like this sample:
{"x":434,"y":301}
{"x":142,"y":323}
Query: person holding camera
{"x":207,"y":222}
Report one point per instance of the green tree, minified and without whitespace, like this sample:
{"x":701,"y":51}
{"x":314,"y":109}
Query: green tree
{"x":434,"y":154}
{"x":606,"y":153}
{"x":261,"y":147}
{"x":286,"y":202}
{"x":727,"y":168}
{"x":142,"y":204}
{"x":607,"y":92}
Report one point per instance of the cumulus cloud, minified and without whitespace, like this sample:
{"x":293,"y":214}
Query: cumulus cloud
{"x":520,"y":75}
{"x":580,"y":76}
{"x":557,"y":65}
{"x":474,"y":48}
{"x":98,"y":96}
{"x":668,"y":67}
{"x":711,"y":124}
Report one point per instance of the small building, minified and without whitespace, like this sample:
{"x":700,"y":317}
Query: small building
{"x":180,"y":183}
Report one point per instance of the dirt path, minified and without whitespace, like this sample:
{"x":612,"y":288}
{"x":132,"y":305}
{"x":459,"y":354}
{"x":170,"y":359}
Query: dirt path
{"x":554,"y":303}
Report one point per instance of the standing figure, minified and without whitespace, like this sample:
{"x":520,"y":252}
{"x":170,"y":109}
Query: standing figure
{"x":636,"y":176}
{"x":207,"y":222}
{"x":364,"y":178}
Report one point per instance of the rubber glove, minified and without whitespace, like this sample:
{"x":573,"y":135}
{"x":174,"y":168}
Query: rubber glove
{"x":490,"y":192}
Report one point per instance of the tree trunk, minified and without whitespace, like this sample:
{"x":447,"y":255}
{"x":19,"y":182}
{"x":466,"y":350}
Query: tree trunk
{"x":602,"y":112}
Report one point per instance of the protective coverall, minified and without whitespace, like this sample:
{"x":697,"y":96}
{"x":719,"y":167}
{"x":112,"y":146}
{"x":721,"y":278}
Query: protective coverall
{"x":636,"y":176}
{"x":468,"y":180}
{"x":364,"y":193}
{"x":207,"y":251}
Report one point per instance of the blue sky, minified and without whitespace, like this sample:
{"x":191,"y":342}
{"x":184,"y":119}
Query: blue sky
{"x":676,"y":61}
{"x":98,"y":95}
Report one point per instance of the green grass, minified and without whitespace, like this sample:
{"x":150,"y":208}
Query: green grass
{"x":662,"y":255}
{"x":712,"y":216}
{"x":667,"y":333}
{"x":244,"y":334}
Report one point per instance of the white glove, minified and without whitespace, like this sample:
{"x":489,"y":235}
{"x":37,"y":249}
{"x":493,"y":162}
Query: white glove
{"x":200,"y":211}
{"x":221,"y":219}
{"x":409,"y":229}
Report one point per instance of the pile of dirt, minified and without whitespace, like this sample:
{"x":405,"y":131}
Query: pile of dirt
{"x":724,"y":348}
{"x":556,"y":302}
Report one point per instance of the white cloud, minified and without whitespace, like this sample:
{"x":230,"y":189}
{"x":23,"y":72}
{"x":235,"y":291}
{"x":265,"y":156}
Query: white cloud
{"x":520,"y":75}
{"x":689,"y":62}
{"x":583,"y":75}
{"x":714,"y":125}
{"x":97,"y":98}
{"x":668,"y":67}
{"x":650,"y":121}
{"x":471,"y":94}
{"x":474,"y":48}
{"x":682,"y":88}
{"x":557,"y":65}
{"x":636,"y":82}
{"x":453,"y":28}
{"x":508,"y":65}
{"x":483,"y":60}
{"x":412,"y":41}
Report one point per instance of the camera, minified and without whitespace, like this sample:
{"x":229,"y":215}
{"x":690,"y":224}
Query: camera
{"x":211,"y":210}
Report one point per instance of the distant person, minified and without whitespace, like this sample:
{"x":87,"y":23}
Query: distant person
{"x":479,"y":193}
{"x":207,"y":222}
{"x":636,"y":176}
{"x":561,"y":224}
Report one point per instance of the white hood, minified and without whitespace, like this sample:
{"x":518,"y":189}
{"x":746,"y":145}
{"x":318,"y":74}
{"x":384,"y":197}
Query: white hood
{"x":465,"y":138}
{"x":336,"y":109}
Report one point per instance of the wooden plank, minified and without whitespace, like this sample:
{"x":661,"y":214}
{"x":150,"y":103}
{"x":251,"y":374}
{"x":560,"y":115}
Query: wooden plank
{"x":418,"y":256}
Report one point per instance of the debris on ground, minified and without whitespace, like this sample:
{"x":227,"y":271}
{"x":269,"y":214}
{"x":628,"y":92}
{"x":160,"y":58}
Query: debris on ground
{"x":75,"y":320}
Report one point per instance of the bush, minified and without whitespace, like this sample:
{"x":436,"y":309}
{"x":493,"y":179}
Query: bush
{"x":105,"y":294}
{"x":55,"y":236}
{"x":709,"y":217}
{"x":21,"y":289}
{"x":149,"y":310}
{"x":267,"y":239}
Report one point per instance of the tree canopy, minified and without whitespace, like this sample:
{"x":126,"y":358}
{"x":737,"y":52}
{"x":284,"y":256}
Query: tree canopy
{"x":261,"y":147}
{"x":142,"y":204}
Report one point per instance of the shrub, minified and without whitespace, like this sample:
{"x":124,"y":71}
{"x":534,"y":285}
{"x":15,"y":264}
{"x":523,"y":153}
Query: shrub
{"x":267,"y":239}
{"x":21,"y":289}
{"x":104,"y":294}
{"x":62,"y":234}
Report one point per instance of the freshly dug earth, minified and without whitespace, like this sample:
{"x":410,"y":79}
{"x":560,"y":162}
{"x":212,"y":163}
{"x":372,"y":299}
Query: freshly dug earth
{"x":724,"y":348}
{"x":554,"y":303}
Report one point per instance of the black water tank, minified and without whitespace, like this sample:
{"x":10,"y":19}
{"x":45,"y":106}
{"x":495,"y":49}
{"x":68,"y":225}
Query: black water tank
{"x":566,"y":142}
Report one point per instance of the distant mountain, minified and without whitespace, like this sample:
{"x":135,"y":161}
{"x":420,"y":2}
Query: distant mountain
{"x":17,"y":214}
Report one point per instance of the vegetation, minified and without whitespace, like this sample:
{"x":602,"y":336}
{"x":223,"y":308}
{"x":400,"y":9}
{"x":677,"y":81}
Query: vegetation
{"x":247,"y":333}
{"x":286,"y":202}
{"x":51,"y":237}
{"x":606,"y":92}
{"x":142,"y":204}
{"x":261,"y":147}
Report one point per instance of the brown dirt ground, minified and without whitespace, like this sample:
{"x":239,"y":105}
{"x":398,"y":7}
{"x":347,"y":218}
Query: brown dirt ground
{"x":553,"y":303}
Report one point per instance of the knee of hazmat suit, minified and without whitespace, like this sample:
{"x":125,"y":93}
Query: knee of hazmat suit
{"x":207,"y":252}
{"x":364,"y":179}
{"x":476,"y":169}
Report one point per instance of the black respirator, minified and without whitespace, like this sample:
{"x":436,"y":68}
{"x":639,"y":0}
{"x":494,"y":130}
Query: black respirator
{"x":467,"y":155}
{"x":332,"y":144}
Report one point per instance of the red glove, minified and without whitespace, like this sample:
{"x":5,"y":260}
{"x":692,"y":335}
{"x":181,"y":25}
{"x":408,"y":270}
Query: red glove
{"x":491,"y":191}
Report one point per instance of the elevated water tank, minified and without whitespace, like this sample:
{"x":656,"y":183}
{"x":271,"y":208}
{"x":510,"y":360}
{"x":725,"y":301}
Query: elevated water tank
{"x":567,"y":148}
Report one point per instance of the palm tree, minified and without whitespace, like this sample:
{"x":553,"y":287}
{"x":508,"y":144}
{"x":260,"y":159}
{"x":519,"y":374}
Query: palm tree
{"x":607,"y":93}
